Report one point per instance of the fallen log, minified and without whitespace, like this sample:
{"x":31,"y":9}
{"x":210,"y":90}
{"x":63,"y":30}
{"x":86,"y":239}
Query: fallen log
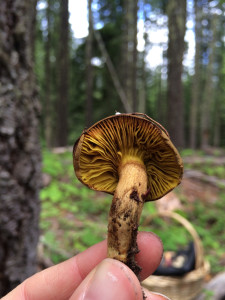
{"x":213,"y":180}
{"x":214,"y":289}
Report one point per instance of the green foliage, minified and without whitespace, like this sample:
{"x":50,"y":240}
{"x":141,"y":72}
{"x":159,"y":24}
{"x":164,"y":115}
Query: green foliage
{"x":52,"y":192}
{"x":208,"y":294}
{"x":218,"y":171}
{"x":51,"y":164}
{"x":208,"y":168}
{"x":49,"y":210}
{"x":189,"y":152}
{"x":112,"y":17}
{"x":90,"y":236}
{"x":50,"y":238}
{"x":170,"y":232}
{"x":74,"y":217}
{"x":209,"y":223}
{"x":67,"y":207}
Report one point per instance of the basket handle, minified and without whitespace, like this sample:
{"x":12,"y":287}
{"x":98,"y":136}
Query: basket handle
{"x":189,"y":227}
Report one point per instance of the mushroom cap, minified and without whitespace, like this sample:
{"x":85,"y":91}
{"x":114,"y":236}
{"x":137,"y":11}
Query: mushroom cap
{"x":104,"y":147}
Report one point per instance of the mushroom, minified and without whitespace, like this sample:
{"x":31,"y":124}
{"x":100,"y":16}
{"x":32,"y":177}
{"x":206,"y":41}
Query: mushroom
{"x":132,"y":157}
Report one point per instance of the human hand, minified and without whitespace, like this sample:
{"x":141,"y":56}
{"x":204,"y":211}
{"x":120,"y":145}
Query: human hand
{"x":92,"y":276}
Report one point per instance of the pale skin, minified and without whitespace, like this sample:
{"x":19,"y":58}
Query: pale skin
{"x":92,"y":276}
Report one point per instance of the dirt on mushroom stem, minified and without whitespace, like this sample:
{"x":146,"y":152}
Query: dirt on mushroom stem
{"x":125,"y":212}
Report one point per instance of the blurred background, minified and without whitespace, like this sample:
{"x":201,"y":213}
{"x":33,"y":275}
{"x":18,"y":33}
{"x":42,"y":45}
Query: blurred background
{"x":162,"y":58}
{"x":64,"y":65}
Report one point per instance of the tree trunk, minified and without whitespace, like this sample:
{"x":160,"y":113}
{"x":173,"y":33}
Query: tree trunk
{"x":123,"y":70}
{"x":215,"y":287}
{"x":20,"y":167}
{"x":129,"y":52}
{"x":176,"y":23}
{"x":206,"y":107}
{"x":113,"y":73}
{"x":219,"y":93}
{"x":47,"y":100}
{"x":32,"y":26}
{"x":89,"y":70}
{"x":134,"y":66}
{"x":160,"y":104}
{"x":62,"y":122}
{"x":196,"y":80}
{"x":142,"y":86}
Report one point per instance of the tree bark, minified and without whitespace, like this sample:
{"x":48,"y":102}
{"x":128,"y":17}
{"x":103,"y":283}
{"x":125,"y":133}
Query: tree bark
{"x":219,"y":94}
{"x":142,"y":78}
{"x":177,"y":24}
{"x":134,"y":67}
{"x":196,"y":81}
{"x":206,"y":107}
{"x":214,"y":287}
{"x":130,"y":55}
{"x":142,"y":85}
{"x":129,"y":52}
{"x":208,"y":92}
{"x":32,"y":26}
{"x":62,"y":122}
{"x":123,"y":70}
{"x":160,"y":104}
{"x":47,"y":87}
{"x":112,"y":72}
{"x":89,"y":70}
{"x":20,"y":158}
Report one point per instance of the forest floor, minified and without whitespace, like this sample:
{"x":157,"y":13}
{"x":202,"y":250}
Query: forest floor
{"x":74,"y":217}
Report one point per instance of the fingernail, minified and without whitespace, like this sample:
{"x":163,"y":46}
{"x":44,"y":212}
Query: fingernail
{"x":111,"y":280}
{"x":162,"y":297}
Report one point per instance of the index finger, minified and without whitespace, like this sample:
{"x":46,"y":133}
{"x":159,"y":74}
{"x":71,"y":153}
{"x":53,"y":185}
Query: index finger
{"x":60,"y":281}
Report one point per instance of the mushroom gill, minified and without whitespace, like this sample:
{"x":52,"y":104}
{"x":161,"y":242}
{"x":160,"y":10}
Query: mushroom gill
{"x":113,"y":141}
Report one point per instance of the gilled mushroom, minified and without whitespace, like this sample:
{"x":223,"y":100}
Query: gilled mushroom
{"x":132,"y":157}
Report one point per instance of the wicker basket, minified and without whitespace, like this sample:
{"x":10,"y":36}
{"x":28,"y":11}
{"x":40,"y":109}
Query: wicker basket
{"x":185,"y":287}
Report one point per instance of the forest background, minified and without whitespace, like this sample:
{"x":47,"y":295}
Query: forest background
{"x":83,"y":80}
{"x":53,"y":85}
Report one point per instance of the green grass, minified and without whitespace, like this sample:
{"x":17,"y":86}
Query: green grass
{"x":74,"y":217}
{"x":191,"y":152}
{"x":208,"y":168}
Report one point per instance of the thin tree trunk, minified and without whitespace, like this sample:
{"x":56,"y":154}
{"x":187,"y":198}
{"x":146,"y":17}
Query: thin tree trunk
{"x":130,"y":55}
{"x":62,"y":122}
{"x":142,"y":86}
{"x":32,"y":26}
{"x":134,"y":67}
{"x":217,"y":123}
{"x":219,"y":94}
{"x":160,"y":104}
{"x":206,"y":108}
{"x":47,"y":101}
{"x":112,"y":72}
{"x":142,"y":89}
{"x":123,"y":70}
{"x":89,"y":70}
{"x":129,"y":52}
{"x":177,"y":22}
{"x":20,"y":167}
{"x":196,"y":81}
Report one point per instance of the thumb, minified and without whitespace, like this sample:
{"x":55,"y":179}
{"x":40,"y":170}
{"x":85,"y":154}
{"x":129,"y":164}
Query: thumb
{"x":111,"y":279}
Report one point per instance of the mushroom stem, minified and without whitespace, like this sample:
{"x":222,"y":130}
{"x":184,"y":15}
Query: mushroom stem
{"x":125,"y":213}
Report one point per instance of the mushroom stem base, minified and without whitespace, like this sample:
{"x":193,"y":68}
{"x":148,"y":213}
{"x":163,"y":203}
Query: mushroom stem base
{"x":125,"y":214}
